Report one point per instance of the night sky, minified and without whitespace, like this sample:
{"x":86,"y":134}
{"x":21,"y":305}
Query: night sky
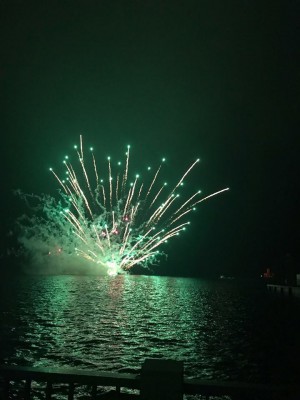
{"x":181,"y":79}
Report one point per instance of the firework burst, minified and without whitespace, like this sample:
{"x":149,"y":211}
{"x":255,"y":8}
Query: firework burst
{"x":115,"y":223}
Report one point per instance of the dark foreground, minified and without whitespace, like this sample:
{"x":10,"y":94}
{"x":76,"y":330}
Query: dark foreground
{"x":159,"y":379}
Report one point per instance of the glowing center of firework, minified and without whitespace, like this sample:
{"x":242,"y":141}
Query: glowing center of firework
{"x":112,"y":268}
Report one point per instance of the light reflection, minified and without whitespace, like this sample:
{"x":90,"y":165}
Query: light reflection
{"x":111,"y":323}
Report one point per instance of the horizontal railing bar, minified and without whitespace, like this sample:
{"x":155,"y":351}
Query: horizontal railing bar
{"x":59,"y":375}
{"x":197,"y":386}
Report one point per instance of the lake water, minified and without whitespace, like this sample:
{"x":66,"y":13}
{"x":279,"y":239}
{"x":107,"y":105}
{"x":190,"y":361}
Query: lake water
{"x":225,"y":330}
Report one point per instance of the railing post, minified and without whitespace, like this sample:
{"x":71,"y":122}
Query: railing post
{"x":71,"y":391}
{"x":162,"y":380}
{"x":94,"y":391}
{"x":6,"y":389}
{"x":48,"y":390}
{"x":27,"y":389}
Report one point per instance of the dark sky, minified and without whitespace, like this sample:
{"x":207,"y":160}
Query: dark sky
{"x":182,"y":79}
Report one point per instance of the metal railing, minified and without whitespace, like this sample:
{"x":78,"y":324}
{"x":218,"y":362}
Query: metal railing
{"x":96,"y":381}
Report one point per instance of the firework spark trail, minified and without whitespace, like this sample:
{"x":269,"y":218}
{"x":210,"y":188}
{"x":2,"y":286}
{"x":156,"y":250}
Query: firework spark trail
{"x":103,"y":193}
{"x":98,"y":239}
{"x":75,"y":185}
{"x":81,"y":146}
{"x":81,"y":159}
{"x":113,"y":220}
{"x":159,"y":212}
{"x":67,"y":189}
{"x":107,"y":235}
{"x":191,"y":207}
{"x":61,"y":183}
{"x":185,"y":174}
{"x":147,"y":250}
{"x":113,"y":225}
{"x":166,"y":204}
{"x":81,"y":193}
{"x":140,"y":192}
{"x":165,"y":237}
{"x":158,"y":193}
{"x":209,"y":196}
{"x":139,"y":241}
{"x":187,"y":202}
{"x":127,"y":203}
{"x":110,"y":182}
{"x":133,"y":189}
{"x":126,"y":170}
{"x":152,"y":183}
{"x":117,"y":188}
{"x":74,"y":222}
{"x":95,"y":168}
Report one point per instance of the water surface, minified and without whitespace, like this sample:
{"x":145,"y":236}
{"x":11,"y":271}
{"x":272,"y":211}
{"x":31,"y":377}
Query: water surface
{"x":225,"y":330}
